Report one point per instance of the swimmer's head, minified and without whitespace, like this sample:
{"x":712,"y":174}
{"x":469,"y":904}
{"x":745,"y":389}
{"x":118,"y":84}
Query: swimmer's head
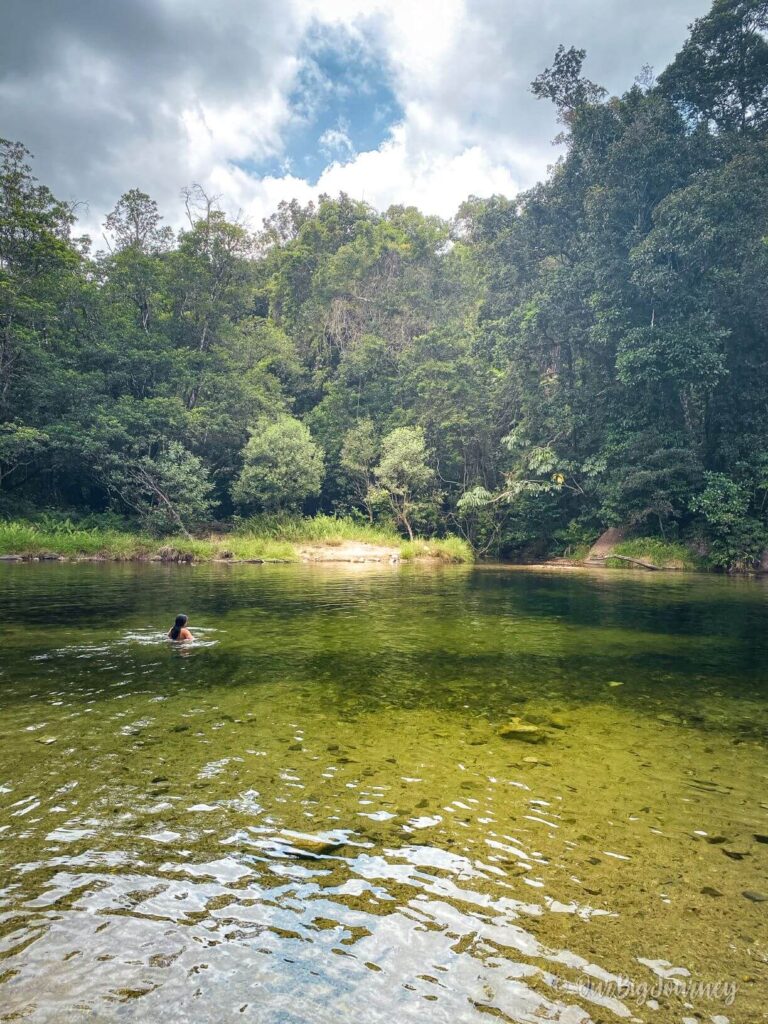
{"x":179,"y":624}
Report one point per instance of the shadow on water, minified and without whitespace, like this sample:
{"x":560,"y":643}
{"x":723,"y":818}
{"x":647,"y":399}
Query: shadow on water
{"x":310,"y":813}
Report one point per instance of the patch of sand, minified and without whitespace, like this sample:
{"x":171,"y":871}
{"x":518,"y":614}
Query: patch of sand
{"x":348,"y":551}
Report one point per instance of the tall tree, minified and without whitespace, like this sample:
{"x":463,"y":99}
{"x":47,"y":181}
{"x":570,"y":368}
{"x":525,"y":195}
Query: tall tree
{"x":720,"y":77}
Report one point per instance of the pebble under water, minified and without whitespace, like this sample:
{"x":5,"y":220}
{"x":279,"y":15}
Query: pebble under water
{"x":310,"y":814}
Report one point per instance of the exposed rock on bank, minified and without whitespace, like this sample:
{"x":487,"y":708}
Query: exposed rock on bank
{"x":606,"y":542}
{"x":349,"y":551}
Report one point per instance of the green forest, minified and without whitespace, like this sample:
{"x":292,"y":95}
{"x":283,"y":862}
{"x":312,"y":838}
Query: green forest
{"x":590,"y":353}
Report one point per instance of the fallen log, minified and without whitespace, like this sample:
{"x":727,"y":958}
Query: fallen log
{"x":625,"y":558}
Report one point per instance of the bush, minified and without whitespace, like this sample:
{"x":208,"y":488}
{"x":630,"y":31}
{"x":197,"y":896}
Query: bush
{"x":283,"y":467}
{"x":737,"y":538}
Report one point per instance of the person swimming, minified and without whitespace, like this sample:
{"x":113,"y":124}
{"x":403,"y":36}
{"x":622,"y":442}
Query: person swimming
{"x":178,"y":630}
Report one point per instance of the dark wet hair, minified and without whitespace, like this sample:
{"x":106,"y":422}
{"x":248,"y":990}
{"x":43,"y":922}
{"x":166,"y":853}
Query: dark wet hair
{"x":179,"y":624}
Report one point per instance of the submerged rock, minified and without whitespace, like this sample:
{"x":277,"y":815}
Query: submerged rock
{"x":311,"y":846}
{"x":544,"y":718}
{"x":755,"y":897}
{"x":517,"y":729}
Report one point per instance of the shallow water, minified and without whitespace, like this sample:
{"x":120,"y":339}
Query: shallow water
{"x":308,"y":815}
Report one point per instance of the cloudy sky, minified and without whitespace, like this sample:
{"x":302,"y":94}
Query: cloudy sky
{"x":392,"y":101}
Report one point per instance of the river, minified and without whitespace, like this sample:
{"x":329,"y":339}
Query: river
{"x":310,"y":815}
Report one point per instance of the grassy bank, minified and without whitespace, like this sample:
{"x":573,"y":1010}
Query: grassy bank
{"x":663,"y":553}
{"x":261,"y":539}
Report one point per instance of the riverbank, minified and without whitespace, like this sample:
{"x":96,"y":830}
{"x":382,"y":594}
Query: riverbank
{"x":324,"y":538}
{"x":643,"y":553}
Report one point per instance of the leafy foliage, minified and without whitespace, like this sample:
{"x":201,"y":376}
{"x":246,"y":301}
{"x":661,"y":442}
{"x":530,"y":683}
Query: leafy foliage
{"x":402,"y":472}
{"x":282,"y":467}
{"x":590,"y":353}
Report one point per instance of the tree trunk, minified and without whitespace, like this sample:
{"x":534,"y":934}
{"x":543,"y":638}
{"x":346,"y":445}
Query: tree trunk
{"x":168,"y":504}
{"x":407,"y":526}
{"x":625,"y":558}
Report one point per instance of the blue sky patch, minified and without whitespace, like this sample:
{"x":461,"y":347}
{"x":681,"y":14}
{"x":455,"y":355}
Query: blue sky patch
{"x":342,"y":104}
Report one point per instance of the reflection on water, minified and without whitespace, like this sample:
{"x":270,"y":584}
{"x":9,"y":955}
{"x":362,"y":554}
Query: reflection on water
{"x":310,"y":815}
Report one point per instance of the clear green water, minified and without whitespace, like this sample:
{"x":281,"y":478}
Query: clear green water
{"x":309,"y":815}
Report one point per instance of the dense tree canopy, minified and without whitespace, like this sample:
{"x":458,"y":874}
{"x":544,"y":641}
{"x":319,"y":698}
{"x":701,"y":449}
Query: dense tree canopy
{"x":593,"y":352}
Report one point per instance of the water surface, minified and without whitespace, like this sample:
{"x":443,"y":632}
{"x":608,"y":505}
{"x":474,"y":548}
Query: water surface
{"x":309,"y":815}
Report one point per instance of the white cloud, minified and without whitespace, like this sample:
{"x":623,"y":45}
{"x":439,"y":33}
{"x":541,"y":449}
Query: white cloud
{"x":436,"y":183}
{"x":336,"y":141}
{"x":162,"y":93}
